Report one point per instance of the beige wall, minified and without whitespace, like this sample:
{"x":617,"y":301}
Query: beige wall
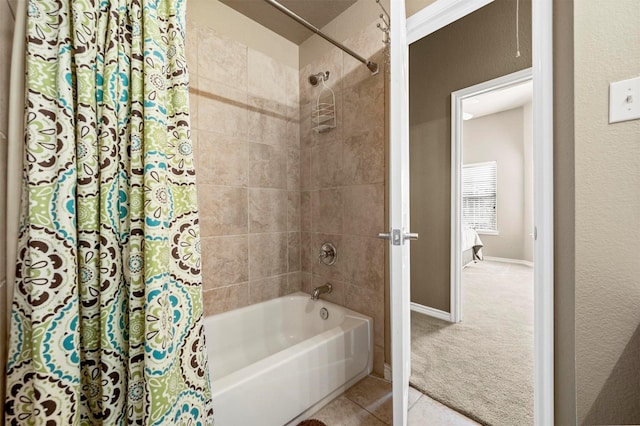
{"x":342,"y":178}
{"x":527,"y":224}
{"x":6,"y":35}
{"x":607,"y":202}
{"x":246,"y":134}
{"x":476,"y":48}
{"x":413,"y":6}
{"x":500,"y":137}
{"x":564,"y":214}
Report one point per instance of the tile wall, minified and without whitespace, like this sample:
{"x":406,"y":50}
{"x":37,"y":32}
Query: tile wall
{"x":245,"y":129}
{"x":271,"y":190}
{"x":343,"y":182}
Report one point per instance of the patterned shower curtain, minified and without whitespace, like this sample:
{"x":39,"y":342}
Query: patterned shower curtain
{"x":106,"y":322}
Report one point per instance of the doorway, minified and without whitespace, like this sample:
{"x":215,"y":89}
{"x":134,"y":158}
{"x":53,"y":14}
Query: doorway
{"x":478,"y":43}
{"x":480,"y":361}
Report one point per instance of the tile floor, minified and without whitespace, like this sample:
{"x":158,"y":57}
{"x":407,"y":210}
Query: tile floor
{"x":368,"y":403}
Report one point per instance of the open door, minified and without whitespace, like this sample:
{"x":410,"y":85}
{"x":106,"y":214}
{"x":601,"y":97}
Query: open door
{"x":398,"y":233}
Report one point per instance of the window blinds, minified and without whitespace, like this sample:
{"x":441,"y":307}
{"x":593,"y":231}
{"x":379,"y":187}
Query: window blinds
{"x":479,"y":196}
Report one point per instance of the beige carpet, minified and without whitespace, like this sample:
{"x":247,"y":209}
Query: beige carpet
{"x":482,"y":366}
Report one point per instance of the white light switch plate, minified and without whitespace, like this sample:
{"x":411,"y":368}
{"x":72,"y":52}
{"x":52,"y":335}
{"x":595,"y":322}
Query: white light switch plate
{"x":624,"y":100}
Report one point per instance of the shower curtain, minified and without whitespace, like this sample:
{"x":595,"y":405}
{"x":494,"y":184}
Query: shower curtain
{"x":106,"y":323}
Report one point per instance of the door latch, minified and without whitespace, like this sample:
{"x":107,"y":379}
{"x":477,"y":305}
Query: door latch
{"x":397,"y":237}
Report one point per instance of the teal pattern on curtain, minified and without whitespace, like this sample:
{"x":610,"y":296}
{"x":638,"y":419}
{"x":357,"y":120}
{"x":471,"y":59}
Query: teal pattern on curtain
{"x":106,"y":325}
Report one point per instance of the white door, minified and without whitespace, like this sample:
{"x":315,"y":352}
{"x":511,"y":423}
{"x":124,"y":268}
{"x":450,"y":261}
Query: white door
{"x":399,"y":213}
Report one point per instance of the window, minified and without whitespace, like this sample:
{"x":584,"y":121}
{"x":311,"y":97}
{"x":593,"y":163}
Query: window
{"x":479,"y":196}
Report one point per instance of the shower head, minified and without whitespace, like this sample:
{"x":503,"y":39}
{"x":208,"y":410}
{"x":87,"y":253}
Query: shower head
{"x":314,"y":79}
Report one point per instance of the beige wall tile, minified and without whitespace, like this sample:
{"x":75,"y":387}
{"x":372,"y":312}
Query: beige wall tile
{"x":268,"y":121}
{"x":293,"y":211}
{"x":306,"y":282}
{"x":378,"y":360}
{"x":196,"y":152}
{"x":305,"y":211}
{"x":306,"y":183}
{"x":223,"y":210}
{"x":225,"y":261}
{"x":223,"y":299}
{"x":194,"y":100}
{"x":221,"y":108}
{"x":364,"y":260}
{"x":364,"y":209}
{"x":268,"y":255}
{"x":327,"y":164}
{"x":364,"y":107}
{"x":364,"y":158}
{"x":294,"y":245}
{"x":305,"y":126}
{"x":267,"y":166}
{"x":306,"y":254}
{"x":222,"y":59}
{"x":267,"y":289}
{"x":327,"y":211}
{"x":270,"y":79}
{"x":368,"y":302}
{"x":293,"y":167}
{"x":191,"y":47}
{"x":268,"y":210}
{"x":223,"y":160}
{"x":294,"y":282}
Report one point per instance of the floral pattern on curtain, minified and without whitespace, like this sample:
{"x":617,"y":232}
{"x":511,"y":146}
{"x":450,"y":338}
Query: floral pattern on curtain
{"x":106,"y":325}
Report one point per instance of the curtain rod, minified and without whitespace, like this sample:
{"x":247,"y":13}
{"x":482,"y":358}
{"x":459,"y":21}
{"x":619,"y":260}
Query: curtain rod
{"x":373,"y":67}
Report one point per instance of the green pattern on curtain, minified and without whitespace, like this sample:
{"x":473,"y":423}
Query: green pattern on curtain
{"x":106,"y":322}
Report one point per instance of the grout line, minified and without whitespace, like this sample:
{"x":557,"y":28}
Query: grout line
{"x":362,"y":407}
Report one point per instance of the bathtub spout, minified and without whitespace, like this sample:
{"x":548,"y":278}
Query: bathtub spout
{"x":321,"y":290}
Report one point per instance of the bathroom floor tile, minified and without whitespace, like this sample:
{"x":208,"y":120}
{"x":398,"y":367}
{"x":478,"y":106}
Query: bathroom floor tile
{"x":369,"y":403}
{"x":343,"y":412}
{"x":374,"y":395}
{"x":428,"y":412}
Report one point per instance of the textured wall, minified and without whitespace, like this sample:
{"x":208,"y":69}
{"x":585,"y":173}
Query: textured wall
{"x":6,"y":35}
{"x":476,"y":48}
{"x":607,"y":197}
{"x":342,"y":178}
{"x":500,"y":137}
{"x":246,"y":135}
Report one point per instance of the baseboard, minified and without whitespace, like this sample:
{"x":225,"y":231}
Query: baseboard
{"x":432,"y":312}
{"x":387,"y":372}
{"x":507,"y":260}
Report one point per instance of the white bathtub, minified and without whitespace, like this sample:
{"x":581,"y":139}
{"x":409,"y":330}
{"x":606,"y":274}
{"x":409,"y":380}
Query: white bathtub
{"x":277,"y":362}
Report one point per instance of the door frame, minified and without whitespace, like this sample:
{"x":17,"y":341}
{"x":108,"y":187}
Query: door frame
{"x":457,"y":98}
{"x":398,"y":233}
{"x":442,"y":13}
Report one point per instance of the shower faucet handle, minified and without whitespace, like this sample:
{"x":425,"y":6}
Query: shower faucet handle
{"x":328,"y":254}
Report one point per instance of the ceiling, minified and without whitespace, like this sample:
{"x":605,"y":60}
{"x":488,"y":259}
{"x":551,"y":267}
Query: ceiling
{"x":317,"y":12}
{"x":499,"y":100}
